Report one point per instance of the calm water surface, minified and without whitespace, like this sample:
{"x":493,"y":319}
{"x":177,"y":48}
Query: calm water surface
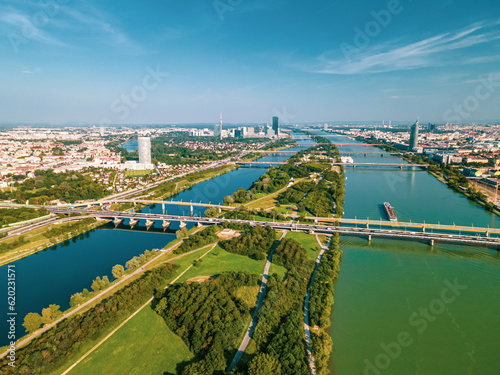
{"x":389,"y":288}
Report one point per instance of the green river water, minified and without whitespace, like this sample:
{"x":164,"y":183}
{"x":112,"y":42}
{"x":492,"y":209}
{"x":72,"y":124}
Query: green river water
{"x":403,"y":307}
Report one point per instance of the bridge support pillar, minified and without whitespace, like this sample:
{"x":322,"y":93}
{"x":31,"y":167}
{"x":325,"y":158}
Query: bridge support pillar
{"x":199,"y":225}
{"x":431,"y":242}
{"x":135,"y":204}
{"x":423,"y":229}
{"x":149,"y":223}
{"x":191,"y":210}
{"x":163,"y":208}
{"x":487,"y":234}
{"x":220,"y":210}
{"x":117,"y":221}
{"x":369,"y":238}
{"x":400,"y":167}
{"x":182,"y":224}
{"x":165,"y":225}
{"x":132,"y":223}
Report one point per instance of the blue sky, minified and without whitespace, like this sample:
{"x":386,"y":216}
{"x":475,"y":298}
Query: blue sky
{"x":185,"y":61}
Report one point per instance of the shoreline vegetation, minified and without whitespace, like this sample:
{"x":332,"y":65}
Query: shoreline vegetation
{"x":46,"y":237}
{"x":141,"y":270}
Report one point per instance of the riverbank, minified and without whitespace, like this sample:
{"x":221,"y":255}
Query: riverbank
{"x":129,"y":277}
{"x":37,"y":239}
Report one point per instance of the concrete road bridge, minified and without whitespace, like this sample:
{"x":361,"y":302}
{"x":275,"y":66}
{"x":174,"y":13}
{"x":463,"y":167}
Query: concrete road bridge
{"x":369,"y":232}
{"x":400,"y":165}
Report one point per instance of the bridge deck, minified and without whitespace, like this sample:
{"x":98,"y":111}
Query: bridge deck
{"x":373,"y":231}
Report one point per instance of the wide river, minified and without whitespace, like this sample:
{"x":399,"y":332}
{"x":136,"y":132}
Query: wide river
{"x":404,"y":307}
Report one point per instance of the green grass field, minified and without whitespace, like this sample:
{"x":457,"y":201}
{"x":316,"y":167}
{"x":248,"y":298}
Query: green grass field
{"x":138,"y":173}
{"x":308,"y":241}
{"x":145,"y":345}
{"x":218,"y":261}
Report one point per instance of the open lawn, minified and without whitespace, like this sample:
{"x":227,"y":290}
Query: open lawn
{"x":145,"y":345}
{"x":137,"y":173}
{"x":218,"y":261}
{"x":308,"y":241}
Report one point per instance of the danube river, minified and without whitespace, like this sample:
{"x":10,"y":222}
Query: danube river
{"x":404,"y":307}
{"x":51,"y":276}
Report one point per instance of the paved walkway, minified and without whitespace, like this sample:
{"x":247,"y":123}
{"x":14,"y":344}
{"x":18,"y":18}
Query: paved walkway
{"x":307,"y":330}
{"x":260,"y":301}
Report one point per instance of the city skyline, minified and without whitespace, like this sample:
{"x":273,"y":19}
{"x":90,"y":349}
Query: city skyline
{"x":112,"y":63}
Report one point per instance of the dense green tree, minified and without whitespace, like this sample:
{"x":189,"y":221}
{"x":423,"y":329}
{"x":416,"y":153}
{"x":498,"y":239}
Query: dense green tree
{"x":51,"y":313}
{"x":264,"y":364}
{"x":32,"y":322}
{"x":118,"y":271}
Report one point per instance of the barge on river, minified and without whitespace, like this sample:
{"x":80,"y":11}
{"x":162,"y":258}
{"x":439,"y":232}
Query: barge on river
{"x":390,"y":212}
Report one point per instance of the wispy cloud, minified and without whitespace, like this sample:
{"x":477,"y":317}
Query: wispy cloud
{"x":432,"y":51}
{"x":93,"y":19}
{"x":63,"y":24}
{"x":20,"y":24}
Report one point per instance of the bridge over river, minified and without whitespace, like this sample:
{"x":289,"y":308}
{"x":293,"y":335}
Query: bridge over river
{"x":486,"y":239}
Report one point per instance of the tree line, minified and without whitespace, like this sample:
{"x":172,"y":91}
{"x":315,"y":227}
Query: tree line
{"x":14,"y":215}
{"x":202,"y":238}
{"x":48,"y":352}
{"x":321,"y":303}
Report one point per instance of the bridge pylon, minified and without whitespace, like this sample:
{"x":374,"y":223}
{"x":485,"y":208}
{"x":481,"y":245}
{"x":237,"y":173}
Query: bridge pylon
{"x":132,"y":223}
{"x":149,"y":223}
{"x":165,"y":225}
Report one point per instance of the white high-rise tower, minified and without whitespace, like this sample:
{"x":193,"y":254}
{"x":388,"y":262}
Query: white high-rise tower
{"x":144,"y":150}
